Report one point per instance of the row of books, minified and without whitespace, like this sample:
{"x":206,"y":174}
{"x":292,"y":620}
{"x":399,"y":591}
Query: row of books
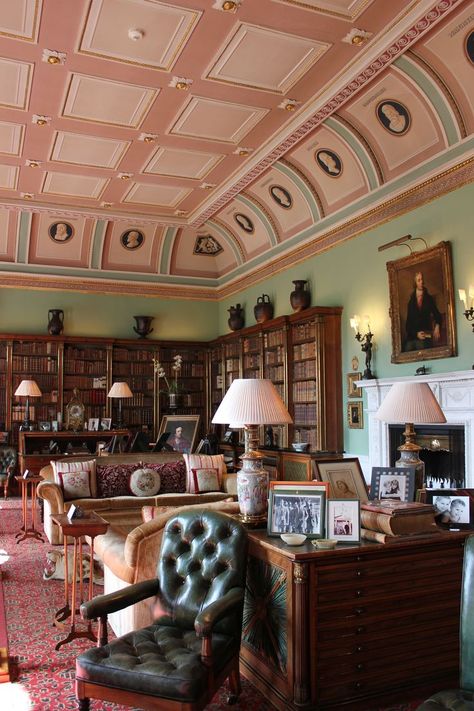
{"x":390,"y":521}
{"x":303,"y":331}
{"x":275,"y":356}
{"x":35,"y":348}
{"x":304,"y":390}
{"x":273,"y":338}
{"x":307,"y":369}
{"x":33,"y":364}
{"x":304,"y":350}
{"x":304,"y":414}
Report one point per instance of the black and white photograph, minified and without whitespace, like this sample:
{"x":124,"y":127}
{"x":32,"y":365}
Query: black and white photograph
{"x":297,"y":510}
{"x":343,"y":520}
{"x":397,"y":483}
{"x":454,"y":508}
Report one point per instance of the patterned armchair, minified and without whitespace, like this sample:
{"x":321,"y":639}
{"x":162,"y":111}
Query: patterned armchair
{"x":8,"y":463}
{"x":182,"y":659}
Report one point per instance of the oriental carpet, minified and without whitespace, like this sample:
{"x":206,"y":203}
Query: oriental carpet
{"x":44,"y":678}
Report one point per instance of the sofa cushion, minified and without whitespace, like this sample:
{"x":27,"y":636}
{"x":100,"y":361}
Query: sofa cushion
{"x":206,"y":479}
{"x":76,"y":466}
{"x":75,"y":485}
{"x":172,"y":475}
{"x":151,"y":512}
{"x":144,"y":482}
{"x":113,"y":479}
{"x":201,"y":461}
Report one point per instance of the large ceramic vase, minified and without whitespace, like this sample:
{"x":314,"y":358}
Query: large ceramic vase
{"x":236,"y":319}
{"x":55,"y":321}
{"x":300,"y":297}
{"x":252,"y":492}
{"x":263,"y":309}
{"x":143,"y":327}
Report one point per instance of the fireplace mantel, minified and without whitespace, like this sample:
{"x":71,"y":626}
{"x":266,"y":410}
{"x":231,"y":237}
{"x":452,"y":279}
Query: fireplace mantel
{"x":455,"y":394}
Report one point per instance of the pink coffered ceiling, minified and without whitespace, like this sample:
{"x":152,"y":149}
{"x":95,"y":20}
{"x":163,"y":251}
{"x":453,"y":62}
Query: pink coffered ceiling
{"x":148,"y":145}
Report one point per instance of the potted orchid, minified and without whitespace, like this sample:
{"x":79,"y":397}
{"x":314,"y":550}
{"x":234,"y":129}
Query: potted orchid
{"x":172,"y":385}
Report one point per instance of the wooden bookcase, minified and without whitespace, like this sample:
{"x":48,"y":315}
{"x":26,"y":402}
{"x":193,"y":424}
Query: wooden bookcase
{"x":300,"y":353}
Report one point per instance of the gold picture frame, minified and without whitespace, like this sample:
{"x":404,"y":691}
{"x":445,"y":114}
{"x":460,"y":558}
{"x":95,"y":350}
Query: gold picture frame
{"x":355,"y":415}
{"x":352,"y":389}
{"x":188,"y":424}
{"x":422,"y":308}
{"x":345,"y":476}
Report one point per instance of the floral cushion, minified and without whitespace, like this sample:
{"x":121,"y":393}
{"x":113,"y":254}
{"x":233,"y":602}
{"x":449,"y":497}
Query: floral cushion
{"x":75,"y":484}
{"x":144,"y":482}
{"x":75,"y":466}
{"x":172,"y":475}
{"x":206,"y":479}
{"x":200,"y":461}
{"x":113,"y":479}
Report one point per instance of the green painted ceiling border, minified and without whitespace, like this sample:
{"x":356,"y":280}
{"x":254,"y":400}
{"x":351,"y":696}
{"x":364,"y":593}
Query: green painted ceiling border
{"x":295,"y":178}
{"x":24,"y":230}
{"x":263,"y":217}
{"x":168,"y":241}
{"x":229,"y":240}
{"x":353,"y":141}
{"x":98,"y":243}
{"x":433,"y":96}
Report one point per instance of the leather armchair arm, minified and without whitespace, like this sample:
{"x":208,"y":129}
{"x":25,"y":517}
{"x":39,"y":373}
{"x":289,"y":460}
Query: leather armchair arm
{"x":214,"y":612}
{"x":103,"y":605}
{"x":51,"y":492}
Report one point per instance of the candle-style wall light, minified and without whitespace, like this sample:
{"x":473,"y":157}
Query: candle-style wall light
{"x":366,"y":344}
{"x":468,"y":312}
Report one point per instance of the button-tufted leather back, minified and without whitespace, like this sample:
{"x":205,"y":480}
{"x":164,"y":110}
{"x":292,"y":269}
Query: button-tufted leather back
{"x":8,"y":458}
{"x":203,"y":556}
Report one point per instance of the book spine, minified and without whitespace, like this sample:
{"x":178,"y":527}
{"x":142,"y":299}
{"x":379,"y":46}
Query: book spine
{"x":375,"y":536}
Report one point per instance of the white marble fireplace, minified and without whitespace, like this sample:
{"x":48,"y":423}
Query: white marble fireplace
{"x":455,"y":394}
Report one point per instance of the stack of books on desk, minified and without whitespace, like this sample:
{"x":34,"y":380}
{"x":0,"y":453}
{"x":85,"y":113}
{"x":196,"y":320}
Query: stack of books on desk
{"x":391,"y":521}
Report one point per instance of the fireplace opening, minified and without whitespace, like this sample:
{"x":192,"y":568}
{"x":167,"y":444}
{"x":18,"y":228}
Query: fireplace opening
{"x":442,"y":450}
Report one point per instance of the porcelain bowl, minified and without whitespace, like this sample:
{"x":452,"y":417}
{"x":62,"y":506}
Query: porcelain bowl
{"x":300,"y":446}
{"x":293,"y":539}
{"x":324,"y":543}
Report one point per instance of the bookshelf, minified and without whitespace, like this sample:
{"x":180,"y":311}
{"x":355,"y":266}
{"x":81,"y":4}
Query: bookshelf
{"x":86,"y":368}
{"x":133,"y":363}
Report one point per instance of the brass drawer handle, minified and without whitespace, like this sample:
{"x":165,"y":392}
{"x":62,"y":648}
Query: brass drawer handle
{"x":359,"y":630}
{"x":359,"y":610}
{"x":359,"y":666}
{"x":359,"y":593}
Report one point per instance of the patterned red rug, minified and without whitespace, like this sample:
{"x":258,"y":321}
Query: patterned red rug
{"x":44,"y":678}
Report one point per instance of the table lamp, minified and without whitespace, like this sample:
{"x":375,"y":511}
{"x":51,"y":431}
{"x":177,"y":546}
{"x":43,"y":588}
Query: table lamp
{"x":27,"y":388}
{"x":410,"y":403}
{"x":119,"y":391}
{"x":248,"y":403}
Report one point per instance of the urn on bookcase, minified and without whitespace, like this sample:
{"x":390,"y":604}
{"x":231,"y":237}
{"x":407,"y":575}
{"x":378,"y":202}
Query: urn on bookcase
{"x":143,"y":327}
{"x":300,"y":297}
{"x":55,"y":321}
{"x":263,"y":309}
{"x":236,"y":318}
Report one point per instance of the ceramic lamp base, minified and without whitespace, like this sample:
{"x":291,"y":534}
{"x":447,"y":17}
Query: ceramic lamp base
{"x":252,"y":489}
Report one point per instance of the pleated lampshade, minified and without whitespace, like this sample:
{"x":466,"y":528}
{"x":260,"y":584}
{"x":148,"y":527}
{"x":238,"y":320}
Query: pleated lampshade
{"x":252,"y":401}
{"x":410,"y":402}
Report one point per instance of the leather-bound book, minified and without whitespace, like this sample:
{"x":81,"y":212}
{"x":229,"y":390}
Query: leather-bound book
{"x":397,"y":518}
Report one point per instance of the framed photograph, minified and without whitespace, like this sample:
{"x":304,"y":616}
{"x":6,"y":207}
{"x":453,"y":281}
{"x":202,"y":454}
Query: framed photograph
{"x":345,"y":477}
{"x":44,"y":426}
{"x":454,"y":508}
{"x":93,"y":424}
{"x":105,"y":423}
{"x":393,"y":483}
{"x":183,"y":430}
{"x":355,"y":415}
{"x":352,"y":388}
{"x":297,"y":509}
{"x":343,"y":520}
{"x":422,"y":305}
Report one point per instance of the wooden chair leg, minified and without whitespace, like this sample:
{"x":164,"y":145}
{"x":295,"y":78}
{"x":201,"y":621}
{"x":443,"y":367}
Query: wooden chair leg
{"x":83,"y":704}
{"x":234,"y":685}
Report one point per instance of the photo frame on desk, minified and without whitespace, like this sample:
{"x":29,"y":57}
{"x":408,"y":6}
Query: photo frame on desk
{"x":345,"y":476}
{"x":297,"y":508}
{"x":397,"y":483}
{"x":343,"y":520}
{"x":454,"y":508}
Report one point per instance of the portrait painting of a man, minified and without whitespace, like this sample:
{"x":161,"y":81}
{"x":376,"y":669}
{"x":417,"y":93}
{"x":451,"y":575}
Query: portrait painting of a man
{"x":132,"y":239}
{"x":393,"y":116}
{"x":329,"y":162}
{"x":421,"y":305}
{"x":60,"y":231}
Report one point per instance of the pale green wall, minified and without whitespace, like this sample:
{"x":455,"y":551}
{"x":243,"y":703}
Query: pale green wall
{"x":354,"y":276}
{"x":104,"y":315}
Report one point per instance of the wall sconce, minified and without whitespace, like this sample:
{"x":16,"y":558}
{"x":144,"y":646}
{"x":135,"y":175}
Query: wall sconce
{"x":365,"y":344}
{"x":468,"y":313}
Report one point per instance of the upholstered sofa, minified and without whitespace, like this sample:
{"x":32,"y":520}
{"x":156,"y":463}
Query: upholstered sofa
{"x":109,"y":486}
{"x":130,"y":555}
